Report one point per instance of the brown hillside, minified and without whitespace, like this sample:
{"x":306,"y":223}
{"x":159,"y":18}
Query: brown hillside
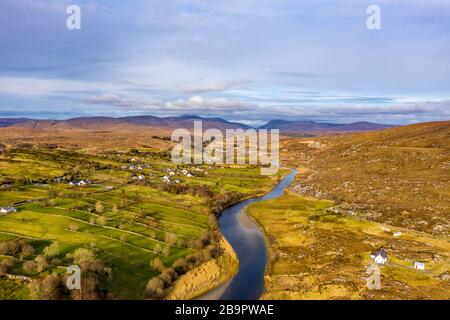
{"x":398,"y":176}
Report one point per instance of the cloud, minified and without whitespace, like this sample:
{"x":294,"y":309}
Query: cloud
{"x":195,"y":104}
{"x":200,"y":104}
{"x":211,"y":86}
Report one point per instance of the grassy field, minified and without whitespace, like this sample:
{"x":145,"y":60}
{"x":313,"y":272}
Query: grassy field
{"x":317,"y":252}
{"x":125,"y":224}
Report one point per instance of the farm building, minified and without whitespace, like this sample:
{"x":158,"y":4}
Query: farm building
{"x":419,"y":265}
{"x":6,"y":210}
{"x":79,"y":183}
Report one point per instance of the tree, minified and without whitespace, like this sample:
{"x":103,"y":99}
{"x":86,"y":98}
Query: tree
{"x":168,"y":276}
{"x":205,"y":238}
{"x":102,"y":221}
{"x":52,"y":250}
{"x":73,"y":227}
{"x":47,"y":289}
{"x":212,"y":222}
{"x":130,"y":217}
{"x":82,"y":254}
{"x":99,"y":207}
{"x":157,"y":249}
{"x":157,"y":264}
{"x":29,"y":266}
{"x":41,"y":263}
{"x":114,"y":209}
{"x":155,"y":288}
{"x":26,"y":250}
{"x":181,"y":243}
{"x":166,"y":251}
{"x":171,"y":239}
{"x":123,"y":237}
{"x":180,"y":266}
{"x":5,"y":265}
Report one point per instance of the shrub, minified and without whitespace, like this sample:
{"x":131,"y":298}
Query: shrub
{"x":82,"y":255}
{"x":52,"y":250}
{"x":47,"y":289}
{"x":29,"y":266}
{"x":157,"y":265}
{"x":180,"y":266}
{"x":41,"y":263}
{"x":5,"y":265}
{"x":155,"y":288}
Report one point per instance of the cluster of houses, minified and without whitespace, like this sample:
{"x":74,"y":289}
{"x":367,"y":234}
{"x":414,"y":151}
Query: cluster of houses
{"x":6,"y":210}
{"x":136,"y":167}
{"x":380,"y":257}
{"x":183,"y":172}
{"x":168,"y":179}
{"x":79,"y":183}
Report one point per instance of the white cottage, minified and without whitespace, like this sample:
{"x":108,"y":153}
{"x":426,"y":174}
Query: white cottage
{"x":6,"y":210}
{"x":379,"y":256}
{"x":419,"y":265}
{"x":79,"y":183}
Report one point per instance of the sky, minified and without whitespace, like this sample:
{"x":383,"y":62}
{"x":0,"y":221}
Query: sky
{"x":242,"y":60}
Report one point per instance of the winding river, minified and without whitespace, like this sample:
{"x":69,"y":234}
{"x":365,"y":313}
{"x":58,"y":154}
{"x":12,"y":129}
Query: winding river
{"x":247,"y":240}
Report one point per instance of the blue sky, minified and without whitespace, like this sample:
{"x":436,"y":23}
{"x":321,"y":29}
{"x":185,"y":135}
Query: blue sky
{"x":243,"y":60}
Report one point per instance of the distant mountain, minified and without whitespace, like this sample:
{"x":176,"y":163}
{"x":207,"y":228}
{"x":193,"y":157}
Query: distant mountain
{"x":286,"y":126}
{"x":185,"y":121}
{"x":123,"y":123}
{"x":7,"y":122}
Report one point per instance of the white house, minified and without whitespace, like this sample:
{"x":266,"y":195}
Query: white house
{"x":6,"y":210}
{"x":189,"y":175}
{"x":184,"y":171}
{"x":419,"y":265}
{"x":166,"y":179}
{"x":397,"y":234}
{"x":379,"y":256}
{"x":79,"y":183}
{"x":172,"y":173}
{"x":141,"y":177}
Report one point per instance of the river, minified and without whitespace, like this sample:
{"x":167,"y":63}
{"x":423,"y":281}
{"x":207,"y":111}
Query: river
{"x":247,"y":240}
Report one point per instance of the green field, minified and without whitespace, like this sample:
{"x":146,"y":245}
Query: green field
{"x":126,"y":224}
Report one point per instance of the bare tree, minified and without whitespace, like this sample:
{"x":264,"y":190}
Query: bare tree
{"x":155,"y":288}
{"x":99,"y":207}
{"x":52,"y":250}
{"x":82,"y":254}
{"x":157,"y":264}
{"x":41,"y":263}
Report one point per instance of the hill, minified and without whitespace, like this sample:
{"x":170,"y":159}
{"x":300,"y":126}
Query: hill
{"x":123,"y":123}
{"x":316,"y":127}
{"x":398,"y":176}
{"x":7,"y":122}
